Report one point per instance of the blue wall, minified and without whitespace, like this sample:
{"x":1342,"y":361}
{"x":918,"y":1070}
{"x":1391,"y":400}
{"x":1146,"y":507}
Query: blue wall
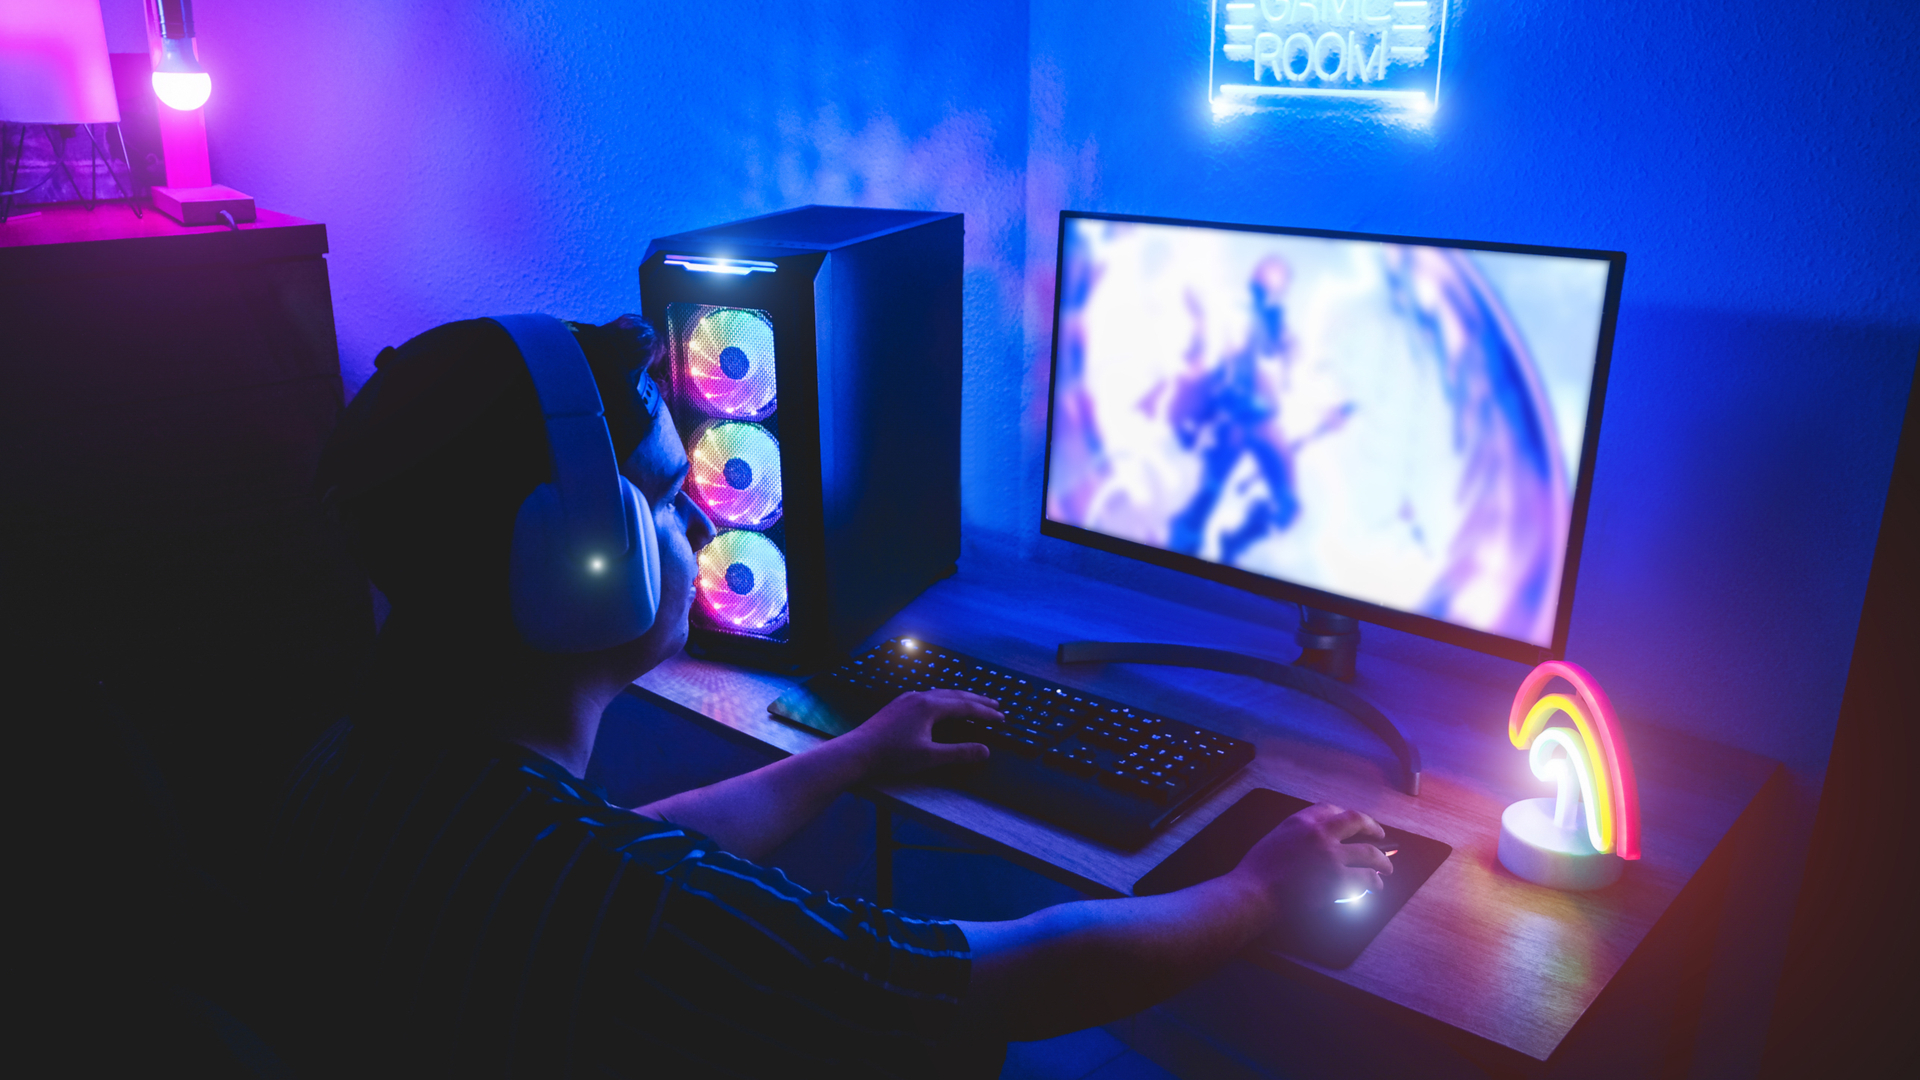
{"x":471,"y":158}
{"x":1761,"y":174}
{"x":484,"y":157}
{"x":480,"y":157}
{"x":1761,"y":177}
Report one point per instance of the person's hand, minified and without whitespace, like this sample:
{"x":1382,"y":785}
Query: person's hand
{"x":898,"y":740}
{"x":1306,"y":864}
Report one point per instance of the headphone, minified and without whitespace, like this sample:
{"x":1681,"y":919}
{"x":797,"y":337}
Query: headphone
{"x":585,"y":570}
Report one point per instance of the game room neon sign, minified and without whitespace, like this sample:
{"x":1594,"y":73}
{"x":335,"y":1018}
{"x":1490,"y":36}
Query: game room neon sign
{"x":1267,"y":52}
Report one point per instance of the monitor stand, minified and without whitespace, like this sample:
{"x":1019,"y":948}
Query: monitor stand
{"x":1329,"y":643}
{"x":1304,"y":679}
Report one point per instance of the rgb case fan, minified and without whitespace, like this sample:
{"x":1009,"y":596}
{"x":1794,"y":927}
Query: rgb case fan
{"x":735,"y":474}
{"x":813,"y":368}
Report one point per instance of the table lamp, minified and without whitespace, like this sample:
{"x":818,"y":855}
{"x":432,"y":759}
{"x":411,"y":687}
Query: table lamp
{"x":54,"y":72}
{"x":189,"y":196}
{"x":1581,"y":838}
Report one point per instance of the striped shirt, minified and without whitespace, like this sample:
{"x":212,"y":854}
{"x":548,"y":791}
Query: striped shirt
{"x":471,"y":907}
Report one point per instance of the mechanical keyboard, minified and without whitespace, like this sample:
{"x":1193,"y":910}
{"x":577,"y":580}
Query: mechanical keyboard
{"x":1073,"y":759}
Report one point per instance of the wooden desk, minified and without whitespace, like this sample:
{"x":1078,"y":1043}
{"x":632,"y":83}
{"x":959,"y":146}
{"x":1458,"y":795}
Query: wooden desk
{"x":1509,"y":966}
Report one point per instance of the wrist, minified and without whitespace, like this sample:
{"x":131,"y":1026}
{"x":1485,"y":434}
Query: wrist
{"x":1255,"y":896}
{"x":856,"y":758}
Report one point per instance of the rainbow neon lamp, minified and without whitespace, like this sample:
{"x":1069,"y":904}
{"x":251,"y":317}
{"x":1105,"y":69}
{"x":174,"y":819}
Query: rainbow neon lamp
{"x":1552,"y":842}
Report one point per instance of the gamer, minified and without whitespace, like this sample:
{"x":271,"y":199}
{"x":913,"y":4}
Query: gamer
{"x":447,"y":892}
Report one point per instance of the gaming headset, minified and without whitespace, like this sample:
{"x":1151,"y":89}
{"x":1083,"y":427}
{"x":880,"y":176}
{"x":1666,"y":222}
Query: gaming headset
{"x":585,"y":570}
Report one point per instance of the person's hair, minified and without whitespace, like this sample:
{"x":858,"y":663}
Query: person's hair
{"x":428,"y":468}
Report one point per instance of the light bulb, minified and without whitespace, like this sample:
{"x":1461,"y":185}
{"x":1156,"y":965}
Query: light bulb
{"x":179,"y":80}
{"x":183,"y":90}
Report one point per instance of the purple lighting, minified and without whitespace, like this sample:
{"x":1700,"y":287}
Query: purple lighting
{"x":53,"y":65}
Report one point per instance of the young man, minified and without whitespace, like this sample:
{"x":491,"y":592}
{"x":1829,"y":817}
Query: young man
{"x":449,"y":894}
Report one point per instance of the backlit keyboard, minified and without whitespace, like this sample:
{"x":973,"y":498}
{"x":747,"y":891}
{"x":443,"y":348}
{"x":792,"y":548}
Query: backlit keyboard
{"x":1076,"y":760}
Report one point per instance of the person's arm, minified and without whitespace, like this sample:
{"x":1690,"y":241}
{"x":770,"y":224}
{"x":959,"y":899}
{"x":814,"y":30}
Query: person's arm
{"x":753,"y":813}
{"x":1076,"y":965}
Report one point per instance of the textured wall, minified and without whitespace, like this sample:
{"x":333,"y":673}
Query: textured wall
{"x":477,"y":158}
{"x":1761,"y":174}
{"x":1770,"y":317}
{"x":473,"y":158}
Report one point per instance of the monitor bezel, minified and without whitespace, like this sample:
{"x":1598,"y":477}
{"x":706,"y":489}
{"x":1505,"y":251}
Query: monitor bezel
{"x":1282,"y":589}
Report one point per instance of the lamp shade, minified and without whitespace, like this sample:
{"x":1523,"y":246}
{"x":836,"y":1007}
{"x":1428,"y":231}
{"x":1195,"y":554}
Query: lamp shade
{"x":53,"y":63}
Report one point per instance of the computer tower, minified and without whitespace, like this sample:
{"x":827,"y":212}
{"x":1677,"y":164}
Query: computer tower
{"x":813,"y":367}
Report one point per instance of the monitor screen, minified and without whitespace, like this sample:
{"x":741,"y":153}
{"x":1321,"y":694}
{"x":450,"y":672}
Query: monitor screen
{"x":1397,"y":429}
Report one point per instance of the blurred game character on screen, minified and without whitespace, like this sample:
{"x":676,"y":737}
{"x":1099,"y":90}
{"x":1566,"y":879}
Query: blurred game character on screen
{"x":1231,"y":410}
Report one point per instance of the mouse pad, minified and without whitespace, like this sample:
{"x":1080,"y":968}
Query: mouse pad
{"x":1333,"y":937}
{"x":826,"y":708}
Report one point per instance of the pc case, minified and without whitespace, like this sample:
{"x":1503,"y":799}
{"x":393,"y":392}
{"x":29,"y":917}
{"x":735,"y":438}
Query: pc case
{"x":813,"y":368}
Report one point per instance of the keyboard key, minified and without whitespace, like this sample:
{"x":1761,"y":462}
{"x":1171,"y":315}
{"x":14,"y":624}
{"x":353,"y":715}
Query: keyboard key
{"x":1067,"y":763}
{"x":1126,"y":783}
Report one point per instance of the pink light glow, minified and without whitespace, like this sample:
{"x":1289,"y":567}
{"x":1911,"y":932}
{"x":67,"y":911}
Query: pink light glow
{"x":53,"y":64}
{"x":1625,"y":795}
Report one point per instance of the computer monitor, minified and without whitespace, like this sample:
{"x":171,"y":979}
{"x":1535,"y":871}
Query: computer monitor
{"x":1394,"y":429}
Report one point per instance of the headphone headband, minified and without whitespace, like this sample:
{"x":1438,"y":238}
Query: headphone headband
{"x":585,"y":472}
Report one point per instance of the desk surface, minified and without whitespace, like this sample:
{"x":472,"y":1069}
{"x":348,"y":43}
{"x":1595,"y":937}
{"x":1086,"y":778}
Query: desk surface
{"x":67,"y":239}
{"x":1475,"y":948}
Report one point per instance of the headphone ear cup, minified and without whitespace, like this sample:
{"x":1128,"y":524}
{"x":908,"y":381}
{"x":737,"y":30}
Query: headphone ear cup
{"x":570,"y":601}
{"x":644,"y":552}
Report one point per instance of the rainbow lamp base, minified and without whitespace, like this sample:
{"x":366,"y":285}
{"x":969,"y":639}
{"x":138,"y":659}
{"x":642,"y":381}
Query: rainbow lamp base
{"x":1536,"y":848}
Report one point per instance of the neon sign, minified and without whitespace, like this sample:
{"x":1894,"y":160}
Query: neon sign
{"x":1265,"y":52}
{"x":1543,"y":840}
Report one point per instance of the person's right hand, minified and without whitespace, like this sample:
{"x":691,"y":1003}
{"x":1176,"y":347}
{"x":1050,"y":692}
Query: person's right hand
{"x":1305,"y":863}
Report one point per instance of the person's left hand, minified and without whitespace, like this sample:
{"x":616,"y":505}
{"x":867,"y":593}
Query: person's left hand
{"x":898,"y":740}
